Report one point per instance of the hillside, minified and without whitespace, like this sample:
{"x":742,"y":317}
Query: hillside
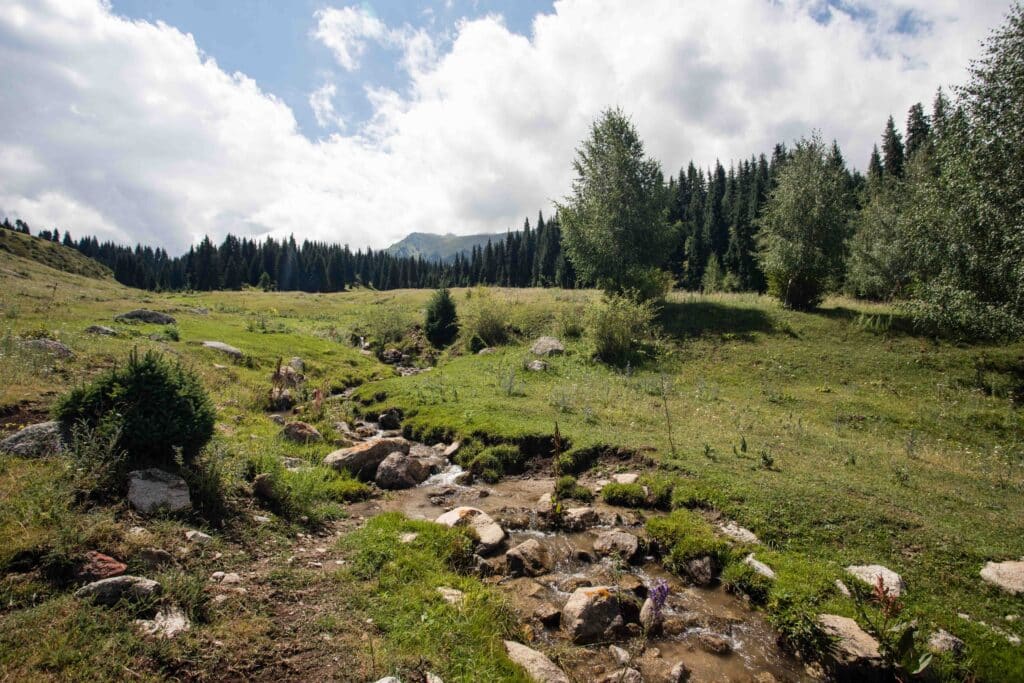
{"x":439,"y":247}
{"x":52,"y":254}
{"x":837,"y":437}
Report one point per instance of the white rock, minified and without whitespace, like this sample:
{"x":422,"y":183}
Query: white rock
{"x":223,"y":348}
{"x":452,"y":596}
{"x":738,"y":533}
{"x":198,"y":537}
{"x":34,"y":441}
{"x":852,"y":646}
{"x":869,"y":574}
{"x":626,"y":478}
{"x":759,"y":567}
{"x":1006,"y":575}
{"x":487,"y":530}
{"x":547,"y":346}
{"x":621,"y":656}
{"x":539,"y":668}
{"x":167,"y":623}
{"x":155,"y":490}
{"x":124,"y":587}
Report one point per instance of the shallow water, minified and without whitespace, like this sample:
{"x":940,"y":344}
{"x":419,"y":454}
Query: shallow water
{"x":754,"y":655}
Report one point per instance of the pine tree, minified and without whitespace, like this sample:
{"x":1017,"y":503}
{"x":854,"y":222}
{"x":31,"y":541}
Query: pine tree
{"x":918,"y":130}
{"x":892,"y":150}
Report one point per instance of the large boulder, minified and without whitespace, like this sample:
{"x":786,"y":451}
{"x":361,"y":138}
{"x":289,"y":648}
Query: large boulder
{"x":51,"y":346}
{"x":34,"y":441}
{"x":489,"y":532}
{"x":154,"y":490}
{"x":578,"y":519}
{"x":871,"y":573}
{"x":1006,"y":575}
{"x":529,"y":558}
{"x":401,"y":471}
{"x":701,"y":570}
{"x":111,"y":591}
{"x":591,"y":614}
{"x":547,"y":346}
{"x":854,"y":654}
{"x":226,"y":349}
{"x":539,"y":668}
{"x":301,"y":432}
{"x":146,"y":316}
{"x":618,"y":544}
{"x":363,"y":459}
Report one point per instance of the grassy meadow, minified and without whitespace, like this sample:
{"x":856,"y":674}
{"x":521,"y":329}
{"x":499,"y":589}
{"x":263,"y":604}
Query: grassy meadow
{"x":839,"y":437}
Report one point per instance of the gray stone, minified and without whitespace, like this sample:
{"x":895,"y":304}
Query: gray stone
{"x":223,"y":348}
{"x":650,"y":620}
{"x":147,"y":316}
{"x":714,"y":643}
{"x":401,"y":471}
{"x":738,"y":533}
{"x":853,"y":650}
{"x":167,"y":623}
{"x":486,"y":351}
{"x":626,"y":478}
{"x":51,"y":346}
{"x":101,"y":330}
{"x":578,"y":519}
{"x":34,"y":441}
{"x":452,"y":449}
{"x":759,"y":567}
{"x":547,"y":346}
{"x":452,"y":596}
{"x":490,"y":534}
{"x":363,"y":459}
{"x":155,"y":558}
{"x":198,"y":537}
{"x":529,"y":558}
{"x":617,"y":543}
{"x":870,"y":573}
{"x":538,"y":667}
{"x":943,"y":641}
{"x":590,"y":614}
{"x":301,"y":432}
{"x":154,"y":490}
{"x":626,"y":675}
{"x":680,"y":673}
{"x":391,"y":356}
{"x":1006,"y":575}
{"x":390,"y":419}
{"x":111,"y":591}
{"x":536,"y":366}
{"x":621,"y":656}
{"x":297,"y":364}
{"x":701,"y":570}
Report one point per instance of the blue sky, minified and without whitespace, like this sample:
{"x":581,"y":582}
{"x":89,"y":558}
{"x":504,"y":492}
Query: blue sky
{"x":167,"y":120}
{"x":270,"y":40}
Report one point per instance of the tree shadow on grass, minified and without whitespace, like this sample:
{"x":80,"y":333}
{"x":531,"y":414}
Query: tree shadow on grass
{"x":694,"y":318}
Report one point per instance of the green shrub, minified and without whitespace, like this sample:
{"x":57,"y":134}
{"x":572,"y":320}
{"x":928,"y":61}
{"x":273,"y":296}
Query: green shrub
{"x":570,"y":323}
{"x":684,"y":536}
{"x":312,"y":492}
{"x":624,"y":495}
{"x":485,"y":325}
{"x":442,"y":322}
{"x":99,"y":466}
{"x":567,"y":488}
{"x":162,"y":408}
{"x":620,"y":329}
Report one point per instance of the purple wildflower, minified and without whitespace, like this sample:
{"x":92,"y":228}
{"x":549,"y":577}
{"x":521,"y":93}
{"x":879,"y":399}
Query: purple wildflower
{"x":658,"y":595}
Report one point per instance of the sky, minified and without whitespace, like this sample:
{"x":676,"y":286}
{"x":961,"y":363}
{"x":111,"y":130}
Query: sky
{"x":161,"y":121}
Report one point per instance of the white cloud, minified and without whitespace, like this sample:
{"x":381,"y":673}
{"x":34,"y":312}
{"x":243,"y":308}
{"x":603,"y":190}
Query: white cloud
{"x":127,"y":128}
{"x":321,"y":101}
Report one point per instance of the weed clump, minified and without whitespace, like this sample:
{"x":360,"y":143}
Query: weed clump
{"x":566,"y":488}
{"x":161,"y":406}
{"x":692,"y":493}
{"x":621,"y":330}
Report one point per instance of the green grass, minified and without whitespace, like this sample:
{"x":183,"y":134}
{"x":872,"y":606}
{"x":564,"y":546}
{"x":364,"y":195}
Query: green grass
{"x":838,"y":436}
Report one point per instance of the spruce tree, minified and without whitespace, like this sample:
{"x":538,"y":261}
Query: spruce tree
{"x":918,"y":130}
{"x":892,"y":150}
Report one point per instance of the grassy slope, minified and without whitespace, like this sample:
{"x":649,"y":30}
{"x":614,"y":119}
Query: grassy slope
{"x":51,"y":254}
{"x":887,"y":448}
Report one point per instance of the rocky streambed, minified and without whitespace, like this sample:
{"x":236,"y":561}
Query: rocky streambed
{"x":582,"y":579}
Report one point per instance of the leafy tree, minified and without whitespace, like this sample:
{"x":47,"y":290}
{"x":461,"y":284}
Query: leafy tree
{"x":615,"y":226}
{"x":880,"y":264}
{"x":804,"y":226}
{"x":442,"y":321}
{"x":968,"y":222}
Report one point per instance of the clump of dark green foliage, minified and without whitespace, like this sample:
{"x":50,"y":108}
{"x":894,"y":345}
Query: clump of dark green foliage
{"x":566,"y":488}
{"x":442,"y":322}
{"x":685,"y":536}
{"x":161,"y":406}
{"x":624,"y":495}
{"x":491,"y":463}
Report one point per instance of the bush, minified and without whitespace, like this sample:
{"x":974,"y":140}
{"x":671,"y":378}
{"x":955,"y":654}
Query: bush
{"x":566,"y":488}
{"x":442,"y":322}
{"x":99,"y":466}
{"x":162,"y":408}
{"x":660,"y":487}
{"x":620,"y":329}
{"x":485,"y":325}
{"x":624,"y":495}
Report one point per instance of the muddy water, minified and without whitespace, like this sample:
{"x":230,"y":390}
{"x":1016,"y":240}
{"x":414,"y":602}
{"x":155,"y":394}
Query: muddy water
{"x":754,"y":656}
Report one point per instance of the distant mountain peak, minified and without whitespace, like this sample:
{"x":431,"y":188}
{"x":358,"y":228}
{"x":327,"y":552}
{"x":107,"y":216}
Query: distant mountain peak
{"x":434,"y":247}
